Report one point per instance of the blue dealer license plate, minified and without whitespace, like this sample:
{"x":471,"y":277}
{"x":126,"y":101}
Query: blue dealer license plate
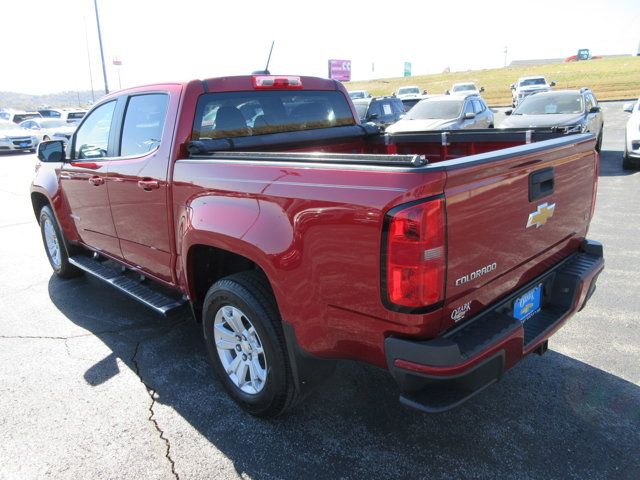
{"x":527,"y":304}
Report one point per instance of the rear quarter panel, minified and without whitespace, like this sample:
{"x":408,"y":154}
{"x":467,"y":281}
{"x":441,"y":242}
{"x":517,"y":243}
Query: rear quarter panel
{"x":316,"y":233}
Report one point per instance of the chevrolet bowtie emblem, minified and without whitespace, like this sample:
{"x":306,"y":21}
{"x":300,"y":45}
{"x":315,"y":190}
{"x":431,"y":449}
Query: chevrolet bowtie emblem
{"x":541,"y":215}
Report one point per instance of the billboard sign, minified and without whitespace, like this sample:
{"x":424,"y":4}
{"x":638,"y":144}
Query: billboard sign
{"x":340,"y":70}
{"x":407,"y":69}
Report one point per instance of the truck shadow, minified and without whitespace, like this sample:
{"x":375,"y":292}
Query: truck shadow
{"x":611,"y":164}
{"x":550,"y":417}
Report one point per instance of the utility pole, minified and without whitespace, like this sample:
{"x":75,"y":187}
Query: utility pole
{"x":506,"y":49}
{"x":86,"y":39}
{"x":104,"y":68}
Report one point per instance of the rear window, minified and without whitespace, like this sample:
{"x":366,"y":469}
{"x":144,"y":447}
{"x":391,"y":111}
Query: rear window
{"x":242,"y":114}
{"x":76,"y":115}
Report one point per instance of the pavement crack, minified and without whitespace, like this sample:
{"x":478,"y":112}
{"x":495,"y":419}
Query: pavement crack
{"x":152,"y":395}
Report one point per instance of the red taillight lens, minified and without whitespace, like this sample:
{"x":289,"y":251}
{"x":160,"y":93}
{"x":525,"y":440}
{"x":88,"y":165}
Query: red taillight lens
{"x":415,"y":254}
{"x":273,"y":82}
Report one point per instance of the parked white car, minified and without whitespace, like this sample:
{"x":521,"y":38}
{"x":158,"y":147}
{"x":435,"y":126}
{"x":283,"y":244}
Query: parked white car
{"x":17,"y":116}
{"x":465,"y":88}
{"x":526,"y":86}
{"x":15,"y":138}
{"x":408,"y":92}
{"x":631,"y":159}
{"x":69,"y":115}
{"x":49,"y":129}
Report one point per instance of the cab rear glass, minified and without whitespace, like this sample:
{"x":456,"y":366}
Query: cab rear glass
{"x":242,"y":114}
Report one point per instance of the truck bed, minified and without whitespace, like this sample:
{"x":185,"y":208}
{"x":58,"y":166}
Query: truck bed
{"x":324,"y":213}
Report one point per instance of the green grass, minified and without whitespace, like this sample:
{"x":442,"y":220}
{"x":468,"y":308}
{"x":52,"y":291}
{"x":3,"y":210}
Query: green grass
{"x":609,"y":78}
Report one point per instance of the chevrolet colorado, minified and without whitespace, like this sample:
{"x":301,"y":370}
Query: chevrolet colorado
{"x":298,"y":236}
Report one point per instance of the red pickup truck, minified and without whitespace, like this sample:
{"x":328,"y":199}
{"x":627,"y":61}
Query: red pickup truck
{"x":298,"y":236}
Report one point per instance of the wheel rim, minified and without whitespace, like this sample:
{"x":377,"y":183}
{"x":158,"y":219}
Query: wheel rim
{"x":51,"y":241}
{"x":240,"y":349}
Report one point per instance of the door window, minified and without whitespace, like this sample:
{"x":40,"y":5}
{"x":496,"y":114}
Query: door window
{"x":92,"y":138}
{"x":468,"y":107}
{"x":143,"y":124}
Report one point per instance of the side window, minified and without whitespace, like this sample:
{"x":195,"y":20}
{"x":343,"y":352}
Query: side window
{"x":589,"y":102}
{"x":468,"y":107}
{"x":477,"y":107}
{"x":27,"y":124}
{"x":374,"y":108}
{"x":398,"y":107}
{"x":92,"y":138}
{"x":143,"y":124}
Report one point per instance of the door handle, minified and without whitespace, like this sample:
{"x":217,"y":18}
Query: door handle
{"x":148,"y":185}
{"x":541,"y":183}
{"x":96,"y":181}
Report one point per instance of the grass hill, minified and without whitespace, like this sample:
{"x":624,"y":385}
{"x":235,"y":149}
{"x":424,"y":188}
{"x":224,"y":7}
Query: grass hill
{"x":610,"y":79}
{"x":23,"y":101}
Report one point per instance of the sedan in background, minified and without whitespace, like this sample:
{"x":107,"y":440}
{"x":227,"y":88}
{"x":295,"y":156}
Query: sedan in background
{"x":575,"y":111}
{"x":13,"y":137}
{"x":49,"y":129}
{"x":464,"y":88}
{"x":408,"y":92}
{"x":445,"y":112}
{"x":631,"y":159}
{"x":354,"y":94}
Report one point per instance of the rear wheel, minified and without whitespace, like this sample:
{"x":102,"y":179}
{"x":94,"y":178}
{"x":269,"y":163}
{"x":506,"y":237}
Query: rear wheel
{"x":54,"y":245}
{"x":246,"y":345}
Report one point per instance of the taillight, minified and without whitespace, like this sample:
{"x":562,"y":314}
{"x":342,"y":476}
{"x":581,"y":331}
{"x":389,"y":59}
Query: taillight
{"x":276,"y":82}
{"x":415,"y":256}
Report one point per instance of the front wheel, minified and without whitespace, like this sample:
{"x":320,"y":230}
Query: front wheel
{"x":246,"y":345}
{"x":599,"y":143}
{"x":54,"y":245}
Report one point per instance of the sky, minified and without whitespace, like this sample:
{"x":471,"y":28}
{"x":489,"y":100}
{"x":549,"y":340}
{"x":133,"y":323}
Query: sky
{"x":55,"y":47}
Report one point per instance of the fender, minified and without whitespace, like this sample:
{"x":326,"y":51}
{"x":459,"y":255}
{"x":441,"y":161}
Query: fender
{"x":46,"y":183}
{"x":256,"y":229}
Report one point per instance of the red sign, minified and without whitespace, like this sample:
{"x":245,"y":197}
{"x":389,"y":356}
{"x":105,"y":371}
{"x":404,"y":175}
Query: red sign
{"x":340,"y":70}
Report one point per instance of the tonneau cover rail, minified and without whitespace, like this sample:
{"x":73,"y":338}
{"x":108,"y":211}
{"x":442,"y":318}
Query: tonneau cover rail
{"x":344,"y":158}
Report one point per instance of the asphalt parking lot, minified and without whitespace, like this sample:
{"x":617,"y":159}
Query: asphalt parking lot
{"x":92,"y":385}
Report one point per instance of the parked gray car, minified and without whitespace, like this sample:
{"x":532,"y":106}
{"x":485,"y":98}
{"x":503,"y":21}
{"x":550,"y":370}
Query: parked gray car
{"x":445,"y":112}
{"x":577,"y":111}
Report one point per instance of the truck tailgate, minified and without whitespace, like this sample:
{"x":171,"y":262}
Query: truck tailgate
{"x":511,"y":215}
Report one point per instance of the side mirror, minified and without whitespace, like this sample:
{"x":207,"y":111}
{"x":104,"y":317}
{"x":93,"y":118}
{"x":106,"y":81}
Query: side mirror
{"x":553,"y":83}
{"x":372,"y":116}
{"x":508,"y":111}
{"x":512,"y":86}
{"x":481,"y":89}
{"x":628,"y":107}
{"x":594,"y":110}
{"x":51,"y":151}
{"x":469,"y":115}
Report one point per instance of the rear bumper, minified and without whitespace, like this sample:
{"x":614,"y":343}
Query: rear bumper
{"x":440,"y":374}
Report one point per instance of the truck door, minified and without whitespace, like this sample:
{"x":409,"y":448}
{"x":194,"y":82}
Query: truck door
{"x":83,"y":180}
{"x":137,"y":182}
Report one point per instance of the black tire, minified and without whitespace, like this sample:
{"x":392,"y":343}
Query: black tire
{"x":599,"y":143}
{"x":250,"y":293}
{"x":628,"y":164}
{"x":64,"y":269}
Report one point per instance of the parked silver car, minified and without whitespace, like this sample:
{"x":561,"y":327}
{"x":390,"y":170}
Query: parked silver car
{"x":445,"y":112}
{"x":631,"y":159}
{"x":13,"y":137}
